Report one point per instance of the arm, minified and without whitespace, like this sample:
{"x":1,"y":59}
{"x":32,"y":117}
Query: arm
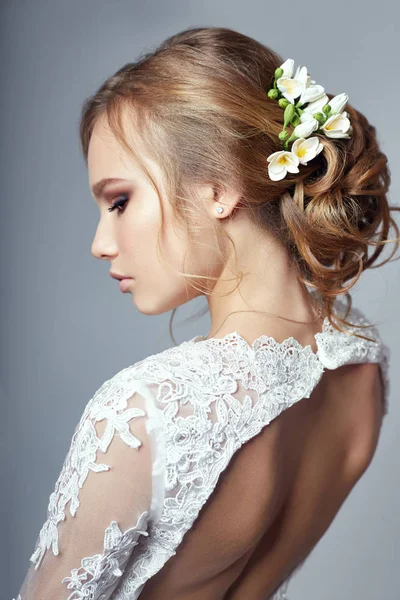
{"x":107,"y":493}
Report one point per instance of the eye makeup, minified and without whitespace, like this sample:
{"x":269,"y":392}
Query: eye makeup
{"x":119,"y":204}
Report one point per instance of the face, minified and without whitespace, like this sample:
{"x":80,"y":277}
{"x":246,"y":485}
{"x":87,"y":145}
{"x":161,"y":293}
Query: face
{"x":127,"y":235}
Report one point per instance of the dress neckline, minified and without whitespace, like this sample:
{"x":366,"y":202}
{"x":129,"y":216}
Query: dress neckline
{"x":266,"y":340}
{"x":334,"y":348}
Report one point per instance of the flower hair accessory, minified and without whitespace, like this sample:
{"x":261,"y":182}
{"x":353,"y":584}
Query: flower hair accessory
{"x":313,"y":111}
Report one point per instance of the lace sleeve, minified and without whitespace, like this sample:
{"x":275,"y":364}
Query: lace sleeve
{"x":109,"y":490}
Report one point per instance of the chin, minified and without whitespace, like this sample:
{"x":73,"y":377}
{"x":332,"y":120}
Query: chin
{"x":149,"y":306}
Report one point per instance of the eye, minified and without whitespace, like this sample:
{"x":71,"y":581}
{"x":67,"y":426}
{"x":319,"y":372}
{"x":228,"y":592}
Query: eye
{"x":119,"y":204}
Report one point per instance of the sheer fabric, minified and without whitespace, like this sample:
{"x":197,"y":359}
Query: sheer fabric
{"x":152,"y":444}
{"x":110,"y":488}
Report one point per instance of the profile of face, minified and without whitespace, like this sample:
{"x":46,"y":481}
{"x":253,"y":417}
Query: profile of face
{"x":127,"y":235}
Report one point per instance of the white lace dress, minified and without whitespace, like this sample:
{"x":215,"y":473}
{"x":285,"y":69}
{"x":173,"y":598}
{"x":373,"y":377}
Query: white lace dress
{"x":151,"y":445}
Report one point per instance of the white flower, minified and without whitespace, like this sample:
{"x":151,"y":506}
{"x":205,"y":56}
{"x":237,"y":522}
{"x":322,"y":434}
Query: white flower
{"x":312,"y":99}
{"x":289,"y":88}
{"x":311,"y":90}
{"x":301,"y":84}
{"x":338,"y":103}
{"x":280,"y":163}
{"x":312,"y":93}
{"x":287,"y":67}
{"x":316,"y":105}
{"x":306,"y":150}
{"x":337,"y":126}
{"x":306,"y":126}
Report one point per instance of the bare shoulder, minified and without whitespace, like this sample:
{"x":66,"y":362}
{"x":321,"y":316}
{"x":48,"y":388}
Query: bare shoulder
{"x":366,"y":411}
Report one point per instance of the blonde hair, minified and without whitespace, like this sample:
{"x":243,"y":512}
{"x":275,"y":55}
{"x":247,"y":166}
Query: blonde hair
{"x":200,"y":106}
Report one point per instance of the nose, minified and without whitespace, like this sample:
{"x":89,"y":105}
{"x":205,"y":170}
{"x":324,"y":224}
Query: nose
{"x":103,"y":245}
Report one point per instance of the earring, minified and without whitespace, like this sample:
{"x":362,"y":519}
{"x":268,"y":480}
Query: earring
{"x":219,"y":209}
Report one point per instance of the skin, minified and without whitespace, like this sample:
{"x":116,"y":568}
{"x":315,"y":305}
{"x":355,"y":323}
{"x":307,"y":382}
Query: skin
{"x":305,"y":473}
{"x":127,"y":239}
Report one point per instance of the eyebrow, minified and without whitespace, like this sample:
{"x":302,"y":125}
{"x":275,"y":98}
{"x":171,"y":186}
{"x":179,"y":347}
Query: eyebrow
{"x":98,"y":188}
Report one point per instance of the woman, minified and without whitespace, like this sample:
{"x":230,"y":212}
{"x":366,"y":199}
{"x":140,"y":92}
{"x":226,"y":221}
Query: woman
{"x":219,"y":171}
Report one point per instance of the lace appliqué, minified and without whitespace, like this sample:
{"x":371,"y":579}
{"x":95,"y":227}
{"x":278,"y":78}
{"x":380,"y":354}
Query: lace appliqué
{"x":213,"y":396}
{"x":110,"y":403}
{"x":98,"y":573}
{"x":336,"y":348}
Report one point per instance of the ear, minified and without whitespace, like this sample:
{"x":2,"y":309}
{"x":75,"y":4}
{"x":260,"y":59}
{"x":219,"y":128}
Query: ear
{"x":226,"y":198}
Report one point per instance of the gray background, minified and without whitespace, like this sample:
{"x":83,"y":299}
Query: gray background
{"x":66,"y":327}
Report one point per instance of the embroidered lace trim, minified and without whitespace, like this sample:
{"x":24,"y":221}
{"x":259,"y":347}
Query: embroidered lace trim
{"x":210,"y":397}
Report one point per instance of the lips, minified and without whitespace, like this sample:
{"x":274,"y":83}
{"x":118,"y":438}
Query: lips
{"x":118,"y":276}
{"x":124,"y":284}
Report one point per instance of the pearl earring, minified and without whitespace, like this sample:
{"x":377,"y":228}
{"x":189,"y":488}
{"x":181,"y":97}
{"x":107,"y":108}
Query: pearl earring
{"x":219,"y":209}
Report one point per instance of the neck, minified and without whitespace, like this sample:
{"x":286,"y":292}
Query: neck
{"x":270,"y":283}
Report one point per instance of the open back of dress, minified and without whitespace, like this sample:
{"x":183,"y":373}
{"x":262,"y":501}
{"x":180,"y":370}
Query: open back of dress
{"x":220,"y":483}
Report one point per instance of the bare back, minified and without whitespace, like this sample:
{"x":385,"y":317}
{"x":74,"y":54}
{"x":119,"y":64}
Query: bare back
{"x":247,"y":448}
{"x":279,"y":494}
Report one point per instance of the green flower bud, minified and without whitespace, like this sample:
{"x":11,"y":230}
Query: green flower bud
{"x":319,"y":117}
{"x":278,"y":73}
{"x":283,"y":135}
{"x":283,"y":102}
{"x":292,"y":137}
{"x":295,"y":120}
{"x":288,"y":114}
{"x":273,"y":94}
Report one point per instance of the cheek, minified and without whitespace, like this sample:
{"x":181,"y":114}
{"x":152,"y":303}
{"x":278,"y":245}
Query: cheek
{"x":137,"y":232}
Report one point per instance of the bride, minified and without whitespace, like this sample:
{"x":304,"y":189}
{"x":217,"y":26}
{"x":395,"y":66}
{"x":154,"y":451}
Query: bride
{"x":212,"y":469}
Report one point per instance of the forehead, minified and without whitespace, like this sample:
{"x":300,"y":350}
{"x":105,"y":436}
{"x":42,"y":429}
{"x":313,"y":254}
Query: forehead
{"x":106,"y":156}
{"x":109,"y":159}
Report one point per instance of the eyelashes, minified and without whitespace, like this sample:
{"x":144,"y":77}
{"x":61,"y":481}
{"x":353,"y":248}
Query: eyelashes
{"x":119,"y":204}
